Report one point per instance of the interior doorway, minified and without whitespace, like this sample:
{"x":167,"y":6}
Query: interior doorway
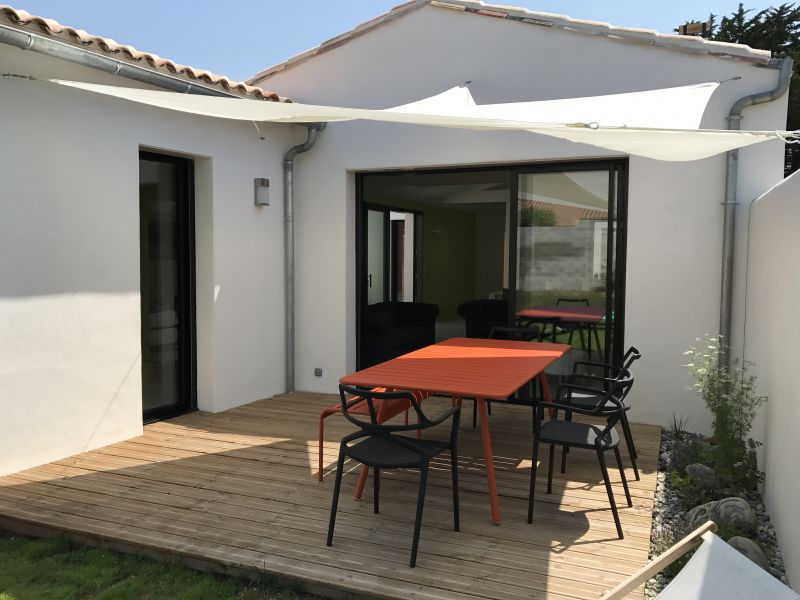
{"x":392,"y":254}
{"x":497,"y":240}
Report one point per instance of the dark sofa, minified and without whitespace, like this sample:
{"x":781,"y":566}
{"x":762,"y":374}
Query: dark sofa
{"x":389,"y":329}
{"x":481,"y":315}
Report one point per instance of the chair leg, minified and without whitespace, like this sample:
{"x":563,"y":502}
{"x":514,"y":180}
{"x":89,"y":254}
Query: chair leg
{"x":454,"y":469}
{"x":565,"y":449}
{"x":489,"y":407}
{"x":321,"y":445}
{"x":550,"y":468}
{"x":597,"y":340}
{"x":376,"y":489}
{"x":423,"y":483}
{"x":622,"y":476}
{"x":589,"y":336}
{"x":475,"y":413}
{"x":602,"y":460}
{"x":335,"y":503}
{"x":534,"y":461}
{"x":626,"y":430}
{"x":583,"y":342}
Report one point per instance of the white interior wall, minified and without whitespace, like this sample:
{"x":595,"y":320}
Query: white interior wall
{"x":70,"y":373}
{"x":674,"y":229}
{"x":772,"y":325}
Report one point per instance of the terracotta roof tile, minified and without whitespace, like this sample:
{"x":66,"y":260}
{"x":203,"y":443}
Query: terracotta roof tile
{"x":636,"y":35}
{"x":566,"y":216}
{"x":24,"y":20}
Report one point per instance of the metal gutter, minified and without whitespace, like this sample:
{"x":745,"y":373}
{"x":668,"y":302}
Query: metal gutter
{"x":730,"y":203}
{"x":27,"y":40}
{"x":288,"y":206}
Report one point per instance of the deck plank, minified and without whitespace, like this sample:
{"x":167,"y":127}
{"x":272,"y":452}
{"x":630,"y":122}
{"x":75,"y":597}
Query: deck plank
{"x":238,"y":491}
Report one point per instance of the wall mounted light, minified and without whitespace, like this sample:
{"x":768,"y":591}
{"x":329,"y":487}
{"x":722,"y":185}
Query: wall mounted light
{"x":261,"y":186}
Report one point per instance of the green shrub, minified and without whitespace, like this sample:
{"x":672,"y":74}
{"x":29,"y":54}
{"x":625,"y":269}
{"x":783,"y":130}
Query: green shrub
{"x":687,"y":451}
{"x":730,"y":394}
{"x":531,"y":216}
{"x":664,"y":537}
{"x":690,"y":493}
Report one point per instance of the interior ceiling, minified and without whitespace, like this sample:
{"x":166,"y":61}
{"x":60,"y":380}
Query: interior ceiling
{"x":462,"y":190}
{"x":473,"y":190}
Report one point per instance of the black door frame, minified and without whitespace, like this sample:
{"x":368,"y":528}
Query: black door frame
{"x":618,"y":195}
{"x":186,"y":297}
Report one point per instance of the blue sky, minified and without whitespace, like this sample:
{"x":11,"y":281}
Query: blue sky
{"x":238,"y":38}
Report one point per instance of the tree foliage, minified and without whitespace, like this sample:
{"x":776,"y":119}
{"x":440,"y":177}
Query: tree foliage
{"x":776,"y":29}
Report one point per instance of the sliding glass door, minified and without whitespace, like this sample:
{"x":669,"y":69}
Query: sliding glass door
{"x":569,"y":249}
{"x":166,"y":209}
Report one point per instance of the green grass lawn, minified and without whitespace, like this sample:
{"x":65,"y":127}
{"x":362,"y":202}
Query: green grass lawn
{"x":59,"y":570}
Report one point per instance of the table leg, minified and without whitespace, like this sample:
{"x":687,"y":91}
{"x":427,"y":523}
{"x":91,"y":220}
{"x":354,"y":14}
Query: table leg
{"x":362,"y":481}
{"x":546,"y":390}
{"x":489,"y":459}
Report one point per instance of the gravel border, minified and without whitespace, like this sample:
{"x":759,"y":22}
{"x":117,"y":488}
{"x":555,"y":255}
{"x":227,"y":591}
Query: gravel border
{"x":668,"y":510}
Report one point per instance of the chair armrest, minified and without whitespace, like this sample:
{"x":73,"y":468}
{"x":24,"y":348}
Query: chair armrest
{"x":568,"y":387}
{"x":445,"y":415}
{"x":598,"y":365}
{"x":582,"y":379}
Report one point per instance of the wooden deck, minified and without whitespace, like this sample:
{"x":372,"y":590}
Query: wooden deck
{"x":237,"y":491}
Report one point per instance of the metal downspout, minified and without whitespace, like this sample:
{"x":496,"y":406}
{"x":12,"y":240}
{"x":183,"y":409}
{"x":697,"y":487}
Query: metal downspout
{"x":33,"y":42}
{"x":730,"y":203}
{"x":288,"y":207}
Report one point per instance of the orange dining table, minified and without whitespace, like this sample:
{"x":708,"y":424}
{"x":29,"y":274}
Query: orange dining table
{"x":468,"y":368}
{"x":573,"y":314}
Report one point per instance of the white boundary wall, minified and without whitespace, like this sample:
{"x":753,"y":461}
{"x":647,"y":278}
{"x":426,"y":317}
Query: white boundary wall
{"x":773,"y":324}
{"x":675,"y":215}
{"x":70,"y":372}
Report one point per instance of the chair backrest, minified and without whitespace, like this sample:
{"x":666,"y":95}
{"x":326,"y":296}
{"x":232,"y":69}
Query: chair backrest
{"x":613,"y":393}
{"x":371,"y":425}
{"x":578,"y":301}
{"x":631,"y":355}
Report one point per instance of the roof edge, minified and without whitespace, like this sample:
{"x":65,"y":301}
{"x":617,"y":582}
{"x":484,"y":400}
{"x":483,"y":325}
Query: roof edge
{"x":23,"y":21}
{"x":634,"y":35}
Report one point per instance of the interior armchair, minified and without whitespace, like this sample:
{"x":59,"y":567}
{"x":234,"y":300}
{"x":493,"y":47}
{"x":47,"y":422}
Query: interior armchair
{"x":483,"y":315}
{"x":394,"y":328}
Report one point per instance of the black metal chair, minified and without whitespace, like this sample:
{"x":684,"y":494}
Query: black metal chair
{"x":603,"y":376}
{"x":581,"y":435}
{"x":379,"y":446}
{"x":589,"y":328}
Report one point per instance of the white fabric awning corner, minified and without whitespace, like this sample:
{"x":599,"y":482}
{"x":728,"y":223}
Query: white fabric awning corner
{"x":659,"y":124}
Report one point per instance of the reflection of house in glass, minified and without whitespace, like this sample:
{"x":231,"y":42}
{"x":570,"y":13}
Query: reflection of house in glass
{"x":563,"y":230}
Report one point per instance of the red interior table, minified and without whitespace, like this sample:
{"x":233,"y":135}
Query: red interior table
{"x":573,"y":314}
{"x":467,"y":368}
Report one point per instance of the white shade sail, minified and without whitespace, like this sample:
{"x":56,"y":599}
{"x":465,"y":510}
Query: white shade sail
{"x":657,"y":124}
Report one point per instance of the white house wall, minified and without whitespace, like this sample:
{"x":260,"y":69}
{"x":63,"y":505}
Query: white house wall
{"x":674,"y":233}
{"x":772,"y":325}
{"x":70,"y":371}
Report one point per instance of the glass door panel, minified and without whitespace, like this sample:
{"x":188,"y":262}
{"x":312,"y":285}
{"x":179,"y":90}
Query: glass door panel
{"x":166,"y":268}
{"x":377,"y":255}
{"x":563,"y":255}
